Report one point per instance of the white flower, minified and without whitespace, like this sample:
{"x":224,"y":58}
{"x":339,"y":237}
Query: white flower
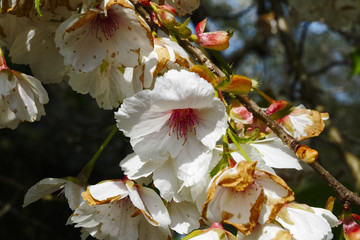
{"x":21,"y":97}
{"x":48,"y":186}
{"x":180,"y":119}
{"x":112,"y":32}
{"x":306,"y":222}
{"x":244,"y":196}
{"x":121,"y":209}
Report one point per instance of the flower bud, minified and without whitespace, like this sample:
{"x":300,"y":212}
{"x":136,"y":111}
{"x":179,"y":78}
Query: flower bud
{"x":205,"y":73}
{"x":237,"y":84}
{"x":306,"y":154}
{"x":165,"y":14}
{"x":279,"y":109}
{"x":351,"y":225}
{"x":218,"y":40}
{"x":145,"y":3}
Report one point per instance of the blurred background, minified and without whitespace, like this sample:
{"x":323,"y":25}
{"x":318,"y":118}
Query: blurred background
{"x":305,"y":52}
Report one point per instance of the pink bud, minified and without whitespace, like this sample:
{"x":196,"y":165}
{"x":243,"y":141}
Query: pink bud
{"x":145,"y":3}
{"x":242,"y":114}
{"x":216,"y":225}
{"x":2,"y":61}
{"x":168,"y":8}
{"x":218,"y":40}
{"x":165,"y":15}
{"x":350,"y":225}
{"x":276,"y":106}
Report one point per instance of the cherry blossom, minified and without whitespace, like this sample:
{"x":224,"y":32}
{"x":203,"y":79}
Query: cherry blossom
{"x":180,"y":119}
{"x":244,"y":196}
{"x":21,"y":97}
{"x":121,"y":209}
{"x":112,"y":32}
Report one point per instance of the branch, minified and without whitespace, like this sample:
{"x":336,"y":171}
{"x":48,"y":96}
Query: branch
{"x":344,"y":194}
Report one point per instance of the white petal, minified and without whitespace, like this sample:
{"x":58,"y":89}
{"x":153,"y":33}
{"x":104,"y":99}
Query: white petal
{"x":42,"y":189}
{"x":7,"y":82}
{"x":7,"y":117}
{"x":329,"y":216}
{"x":165,"y":179}
{"x":75,"y":45}
{"x":108,"y":189}
{"x":27,"y":99}
{"x":108,"y":86}
{"x":234,"y":206}
{"x":12,"y":26}
{"x":150,"y":204}
{"x":253,"y":154}
{"x":184,"y":217}
{"x":73,"y":194}
{"x":136,"y":118}
{"x":175,"y":86}
{"x":135,"y":168}
{"x":276,"y":154}
{"x":36,"y":47}
{"x":275,"y":195}
{"x":159,"y":145}
{"x":212,"y":123}
{"x":131,"y":40}
{"x":268,"y":231}
{"x":193,"y":161}
{"x":147,"y":231}
{"x":306,"y":225}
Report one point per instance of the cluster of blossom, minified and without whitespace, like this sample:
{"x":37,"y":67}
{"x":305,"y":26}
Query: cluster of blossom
{"x":200,"y":159}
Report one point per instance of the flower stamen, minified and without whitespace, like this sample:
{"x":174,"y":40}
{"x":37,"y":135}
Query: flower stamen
{"x":182,"y":121}
{"x":106,"y":23}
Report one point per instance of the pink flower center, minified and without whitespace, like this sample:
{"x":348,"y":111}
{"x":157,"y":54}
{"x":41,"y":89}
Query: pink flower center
{"x":106,"y":24}
{"x":182,"y":121}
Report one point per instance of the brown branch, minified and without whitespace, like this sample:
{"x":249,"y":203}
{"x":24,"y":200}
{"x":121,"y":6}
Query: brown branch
{"x":344,"y":194}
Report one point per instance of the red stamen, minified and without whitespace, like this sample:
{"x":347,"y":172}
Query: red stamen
{"x":106,"y":24}
{"x":182,"y":121}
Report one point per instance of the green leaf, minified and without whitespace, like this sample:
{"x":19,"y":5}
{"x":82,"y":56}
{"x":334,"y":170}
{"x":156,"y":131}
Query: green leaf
{"x":355,"y":59}
{"x":37,"y":7}
{"x":246,"y":140}
{"x":223,"y":163}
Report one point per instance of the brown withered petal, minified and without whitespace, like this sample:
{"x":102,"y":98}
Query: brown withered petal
{"x":238,"y":179}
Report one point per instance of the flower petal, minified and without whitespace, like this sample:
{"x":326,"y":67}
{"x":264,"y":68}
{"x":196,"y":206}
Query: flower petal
{"x":184,"y":217}
{"x":42,"y":189}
